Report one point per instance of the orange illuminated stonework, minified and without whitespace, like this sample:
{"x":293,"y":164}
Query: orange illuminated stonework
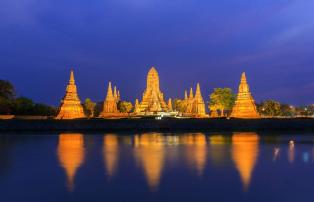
{"x":110,"y":104}
{"x":153,"y":98}
{"x":71,"y":107}
{"x":245,"y":105}
{"x":195,"y":105}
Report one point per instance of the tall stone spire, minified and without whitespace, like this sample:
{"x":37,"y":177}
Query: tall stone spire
{"x":136,"y":106}
{"x":185,"y":95}
{"x":170,"y":105}
{"x":115,"y":93}
{"x":110,"y":105}
{"x":153,"y":98}
{"x":191,"y":93}
{"x":245,"y":105}
{"x":199,"y":105}
{"x":71,"y":107}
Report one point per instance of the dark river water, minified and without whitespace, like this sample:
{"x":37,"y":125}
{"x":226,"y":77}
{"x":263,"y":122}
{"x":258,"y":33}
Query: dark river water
{"x":157,"y":167}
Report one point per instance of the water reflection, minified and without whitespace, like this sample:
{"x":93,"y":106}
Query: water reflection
{"x":291,"y":152}
{"x":196,"y":150}
{"x":71,"y":155}
{"x":111,"y":153}
{"x":218,"y":150}
{"x":244,"y":154}
{"x":150,"y":154}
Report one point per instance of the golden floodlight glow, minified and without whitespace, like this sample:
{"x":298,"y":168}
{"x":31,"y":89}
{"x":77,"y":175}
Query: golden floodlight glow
{"x":244,"y":154}
{"x":71,"y":107}
{"x":195,"y":105}
{"x":245,"y":105}
{"x":110,"y":107}
{"x":71,"y":154}
{"x":149,"y":153}
{"x":153,"y":98}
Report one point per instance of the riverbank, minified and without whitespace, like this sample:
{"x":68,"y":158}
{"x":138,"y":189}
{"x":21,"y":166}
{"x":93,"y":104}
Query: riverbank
{"x":164,"y":125}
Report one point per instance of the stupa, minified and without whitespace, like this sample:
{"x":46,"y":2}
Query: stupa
{"x":195,"y":106}
{"x":110,"y":104}
{"x":245,"y":105}
{"x":71,"y":107}
{"x":199,"y":105}
{"x":153,"y":98}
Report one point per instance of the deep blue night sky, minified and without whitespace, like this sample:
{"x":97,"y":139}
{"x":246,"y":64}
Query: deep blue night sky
{"x":188,"y":41}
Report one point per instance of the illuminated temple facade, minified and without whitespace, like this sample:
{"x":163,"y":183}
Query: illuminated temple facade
{"x":194,"y":104}
{"x":245,"y":105}
{"x":153,"y":99}
{"x":110,"y":107}
{"x":71,"y":107}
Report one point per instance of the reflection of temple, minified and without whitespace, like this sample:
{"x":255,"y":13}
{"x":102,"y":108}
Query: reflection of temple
{"x":71,"y":155}
{"x":71,"y":107}
{"x":244,"y":154}
{"x":153,"y":98}
{"x":150,"y":154}
{"x":111,"y":153}
{"x":218,"y":149}
{"x":196,"y":150}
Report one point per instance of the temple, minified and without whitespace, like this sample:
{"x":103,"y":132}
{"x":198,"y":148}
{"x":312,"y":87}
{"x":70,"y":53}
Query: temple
{"x":245,"y":105}
{"x":195,"y":105}
{"x":153,"y":98}
{"x":110,"y":107}
{"x":170,"y":108}
{"x":71,"y":107}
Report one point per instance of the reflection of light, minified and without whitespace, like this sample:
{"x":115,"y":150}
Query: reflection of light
{"x":71,"y":155}
{"x":149,"y":152}
{"x":276,"y":153}
{"x":196,"y":150}
{"x":111,"y":152}
{"x":291,"y":152}
{"x":244,"y":154}
{"x":305,"y":157}
{"x":218,"y":150}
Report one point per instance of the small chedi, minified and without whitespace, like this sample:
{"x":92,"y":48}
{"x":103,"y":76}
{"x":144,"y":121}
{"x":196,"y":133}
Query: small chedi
{"x":194,"y":105}
{"x":71,"y":107}
{"x":110,"y":107}
{"x":153,"y":98}
{"x":245,"y":105}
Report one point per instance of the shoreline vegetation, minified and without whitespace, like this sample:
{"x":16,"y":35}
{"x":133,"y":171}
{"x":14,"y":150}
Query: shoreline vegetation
{"x":163,"y":125}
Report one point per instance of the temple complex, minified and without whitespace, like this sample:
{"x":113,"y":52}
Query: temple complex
{"x":245,"y":105}
{"x":195,"y":105}
{"x":153,"y":98}
{"x":71,"y":107}
{"x":110,"y":107}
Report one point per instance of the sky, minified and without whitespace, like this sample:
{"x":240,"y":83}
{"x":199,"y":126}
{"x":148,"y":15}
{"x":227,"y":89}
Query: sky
{"x":188,"y":41}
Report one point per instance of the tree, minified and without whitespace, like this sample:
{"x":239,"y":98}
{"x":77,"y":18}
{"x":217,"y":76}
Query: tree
{"x":7,"y":90}
{"x":124,"y":106}
{"x":7,"y":94}
{"x":23,"y":106}
{"x":287,"y":110}
{"x":270,"y":108}
{"x":89,"y":106}
{"x":221,"y":99}
{"x":179,"y":105}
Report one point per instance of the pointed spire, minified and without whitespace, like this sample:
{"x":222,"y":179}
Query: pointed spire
{"x":109,"y":92}
{"x":198,"y":91}
{"x":185,"y":94}
{"x":170,"y":104}
{"x":72,"y":80}
{"x":191,"y":93}
{"x":118,"y":95}
{"x":115,"y":94}
{"x":243,"y":78}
